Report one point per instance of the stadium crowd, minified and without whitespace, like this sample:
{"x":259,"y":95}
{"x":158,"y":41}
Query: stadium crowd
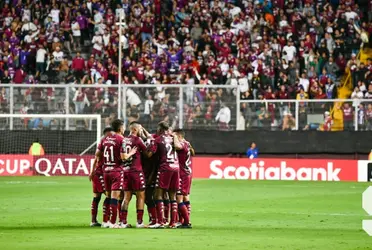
{"x":282,"y":49}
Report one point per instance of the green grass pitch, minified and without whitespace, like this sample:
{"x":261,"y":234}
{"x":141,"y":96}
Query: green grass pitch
{"x":54,"y":213}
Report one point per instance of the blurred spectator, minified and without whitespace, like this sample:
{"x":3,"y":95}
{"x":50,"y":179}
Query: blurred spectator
{"x":303,"y":46}
{"x":327,"y":125}
{"x":361,"y":118}
{"x":223,"y":118}
{"x":368,"y":115}
{"x":80,"y":100}
{"x":357,"y":94}
{"x":252,"y":151}
{"x":348,"y":117}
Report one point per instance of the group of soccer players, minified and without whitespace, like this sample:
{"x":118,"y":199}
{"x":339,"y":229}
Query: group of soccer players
{"x":155,"y":168}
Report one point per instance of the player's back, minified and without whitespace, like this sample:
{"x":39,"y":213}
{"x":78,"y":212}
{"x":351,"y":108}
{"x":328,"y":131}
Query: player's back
{"x":168,"y":160}
{"x":184,"y":157}
{"x":149,"y":164}
{"x":111,"y":147}
{"x":134,"y":164}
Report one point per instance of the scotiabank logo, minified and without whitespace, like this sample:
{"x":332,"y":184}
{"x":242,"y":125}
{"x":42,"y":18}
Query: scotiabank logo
{"x":275,"y":169}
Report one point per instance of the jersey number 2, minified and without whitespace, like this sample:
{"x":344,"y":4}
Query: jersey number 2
{"x":171,"y":155}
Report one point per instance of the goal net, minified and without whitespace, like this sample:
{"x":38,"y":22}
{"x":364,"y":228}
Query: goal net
{"x":59,"y":134}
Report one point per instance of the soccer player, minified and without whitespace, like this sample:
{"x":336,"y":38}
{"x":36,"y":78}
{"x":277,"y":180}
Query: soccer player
{"x":185,"y":161}
{"x":168,"y":174}
{"x":150,"y":169}
{"x":134,"y":179}
{"x":110,"y":151}
{"x":96,"y":177}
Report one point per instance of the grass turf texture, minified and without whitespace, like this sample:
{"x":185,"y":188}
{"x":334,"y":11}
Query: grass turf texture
{"x":54,"y":213}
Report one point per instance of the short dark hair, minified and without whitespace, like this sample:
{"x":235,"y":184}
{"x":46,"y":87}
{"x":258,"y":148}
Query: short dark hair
{"x":163,"y":126}
{"x":107,"y":129}
{"x":179,"y":131}
{"x":116,"y":124}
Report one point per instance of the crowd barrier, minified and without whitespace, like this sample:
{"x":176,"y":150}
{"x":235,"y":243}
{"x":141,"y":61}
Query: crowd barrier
{"x":204,"y":168}
{"x":201,"y":107}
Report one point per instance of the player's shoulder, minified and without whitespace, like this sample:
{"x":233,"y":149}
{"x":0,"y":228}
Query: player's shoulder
{"x":137,"y":140}
{"x":158,"y":138}
{"x":118,"y":137}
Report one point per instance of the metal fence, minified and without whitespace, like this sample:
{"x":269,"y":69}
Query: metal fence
{"x":209,"y":107}
{"x":317,"y":114}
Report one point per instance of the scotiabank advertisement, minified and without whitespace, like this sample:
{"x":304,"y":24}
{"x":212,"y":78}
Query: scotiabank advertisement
{"x":203,"y":167}
{"x":275,"y":169}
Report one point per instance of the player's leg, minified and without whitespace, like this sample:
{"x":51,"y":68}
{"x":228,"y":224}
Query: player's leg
{"x":181,"y":206}
{"x":120,"y":202}
{"x":186,"y":197}
{"x":139,"y":186}
{"x":94,"y":209}
{"x":159,"y":192}
{"x":114,"y":206}
{"x":167,"y":207}
{"x":162,"y":184}
{"x":97,"y":191}
{"x":186,"y":201}
{"x":179,"y":200}
{"x":127,"y":197}
{"x":174,"y":209}
{"x":106,"y":202}
{"x":116,"y":188}
{"x":150,"y":204}
{"x":124,"y":209}
{"x":173,"y":188}
{"x":140,"y":206}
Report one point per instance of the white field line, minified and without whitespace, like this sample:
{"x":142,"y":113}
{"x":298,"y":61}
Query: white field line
{"x":29,"y":182}
{"x":202,"y":211}
{"x":285,"y":213}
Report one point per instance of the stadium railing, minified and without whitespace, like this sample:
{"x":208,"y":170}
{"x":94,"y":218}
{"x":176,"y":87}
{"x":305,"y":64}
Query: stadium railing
{"x":185,"y":106}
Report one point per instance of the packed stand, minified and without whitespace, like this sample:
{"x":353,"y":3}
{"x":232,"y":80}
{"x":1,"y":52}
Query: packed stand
{"x":268,"y":49}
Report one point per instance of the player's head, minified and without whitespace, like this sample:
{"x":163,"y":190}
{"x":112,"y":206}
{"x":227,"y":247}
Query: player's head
{"x":118,"y":126}
{"x":180,"y":133}
{"x":253,"y":144}
{"x":163,"y":127}
{"x":107,"y":131}
{"x":135,"y":128}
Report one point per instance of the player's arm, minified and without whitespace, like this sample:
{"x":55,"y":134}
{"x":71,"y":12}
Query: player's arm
{"x":97,"y":159}
{"x":145,"y":151}
{"x":146,"y":133}
{"x":177,"y":143}
{"x":125,"y":156}
{"x":192,"y":150}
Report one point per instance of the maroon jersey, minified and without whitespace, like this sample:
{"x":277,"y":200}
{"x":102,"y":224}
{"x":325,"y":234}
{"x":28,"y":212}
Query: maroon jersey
{"x":168,"y":160}
{"x":149,"y":165}
{"x":99,"y":169}
{"x":133,"y":164}
{"x":348,"y":114}
{"x":184,"y":158}
{"x":111,"y":146}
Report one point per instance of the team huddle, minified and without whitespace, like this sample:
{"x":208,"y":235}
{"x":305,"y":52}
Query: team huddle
{"x":155,"y":168}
